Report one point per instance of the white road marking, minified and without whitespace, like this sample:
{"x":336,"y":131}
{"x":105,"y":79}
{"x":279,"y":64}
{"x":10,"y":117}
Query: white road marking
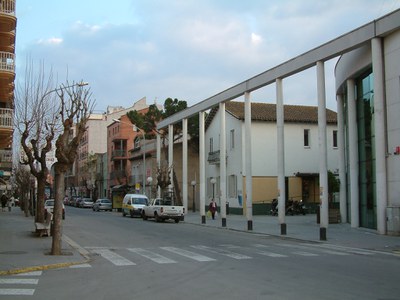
{"x":152,"y":256}
{"x":222,"y":252}
{"x":16,"y":292}
{"x":80,"y":266}
{"x":18,"y":281}
{"x":304,"y":253}
{"x":271,"y":254}
{"x":34,"y":273}
{"x":113,"y":257}
{"x":188,"y":254}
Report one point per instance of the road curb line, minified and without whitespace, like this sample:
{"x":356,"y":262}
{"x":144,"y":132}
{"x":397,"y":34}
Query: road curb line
{"x":83,"y":252}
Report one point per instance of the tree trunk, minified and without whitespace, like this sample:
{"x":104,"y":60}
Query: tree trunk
{"x":40,"y":200}
{"x":57,"y":217}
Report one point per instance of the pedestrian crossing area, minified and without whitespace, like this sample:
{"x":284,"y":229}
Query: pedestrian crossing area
{"x":205,"y":253}
{"x":19,"y":285}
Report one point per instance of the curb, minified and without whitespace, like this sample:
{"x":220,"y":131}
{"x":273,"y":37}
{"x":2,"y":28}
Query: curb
{"x":83,"y":252}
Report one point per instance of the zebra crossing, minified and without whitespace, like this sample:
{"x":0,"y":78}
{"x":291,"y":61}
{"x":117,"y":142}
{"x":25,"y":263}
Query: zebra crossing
{"x":20,"y":284}
{"x":204,"y":253}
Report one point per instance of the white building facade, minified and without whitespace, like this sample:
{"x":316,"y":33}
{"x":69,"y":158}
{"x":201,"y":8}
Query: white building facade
{"x":301,"y":140}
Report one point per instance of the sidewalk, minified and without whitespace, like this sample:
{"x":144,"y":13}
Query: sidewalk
{"x":306,"y":228}
{"x":22,"y":251}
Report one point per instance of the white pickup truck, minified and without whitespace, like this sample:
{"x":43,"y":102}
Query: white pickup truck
{"x":162,"y":209}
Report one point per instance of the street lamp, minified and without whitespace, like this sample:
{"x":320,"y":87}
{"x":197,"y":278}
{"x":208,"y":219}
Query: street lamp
{"x":193,"y":183}
{"x":149,"y":181}
{"x":213,"y":181}
{"x":135,"y":128}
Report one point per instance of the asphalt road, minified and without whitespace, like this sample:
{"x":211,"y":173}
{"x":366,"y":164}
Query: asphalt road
{"x":136,"y":259}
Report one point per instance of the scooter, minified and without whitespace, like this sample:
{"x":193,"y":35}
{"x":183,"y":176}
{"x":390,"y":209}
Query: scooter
{"x":274,"y":207}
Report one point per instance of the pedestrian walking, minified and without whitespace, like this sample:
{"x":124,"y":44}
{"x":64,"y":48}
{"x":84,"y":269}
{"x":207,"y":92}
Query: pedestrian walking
{"x":4,"y":201}
{"x":9,"y":204}
{"x":212,"y":208}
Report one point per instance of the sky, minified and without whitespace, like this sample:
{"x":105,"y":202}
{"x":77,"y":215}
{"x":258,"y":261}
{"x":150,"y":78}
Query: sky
{"x":184,"y":49}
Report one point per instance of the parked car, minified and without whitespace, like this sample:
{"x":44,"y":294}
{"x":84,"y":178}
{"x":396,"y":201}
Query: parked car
{"x":163,"y":209}
{"x":72,"y":200}
{"x":132,"y":204}
{"x":49,"y":207}
{"x":78,"y":202}
{"x":102,"y":204}
{"x":86,"y":203}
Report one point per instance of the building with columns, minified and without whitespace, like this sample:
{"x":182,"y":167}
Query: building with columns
{"x":368,"y":97}
{"x":301,"y":140}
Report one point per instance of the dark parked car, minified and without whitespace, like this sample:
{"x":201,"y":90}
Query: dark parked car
{"x":102,"y":204}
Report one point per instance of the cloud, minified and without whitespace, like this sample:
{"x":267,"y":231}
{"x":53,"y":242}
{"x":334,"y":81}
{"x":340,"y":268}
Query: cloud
{"x":191,"y":49}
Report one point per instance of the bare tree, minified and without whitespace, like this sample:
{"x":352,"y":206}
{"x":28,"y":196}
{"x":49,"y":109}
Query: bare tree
{"x":22,"y":181}
{"x":76,"y":107}
{"x":36,"y":120}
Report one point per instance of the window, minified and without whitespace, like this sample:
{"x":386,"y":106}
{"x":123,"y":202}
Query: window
{"x":211,"y":145}
{"x":307,"y":138}
{"x":335,"y":141}
{"x":232,"y":186}
{"x":232,"y":139}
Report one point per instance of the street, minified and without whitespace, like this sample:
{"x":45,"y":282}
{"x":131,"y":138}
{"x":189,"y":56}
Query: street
{"x":136,"y":259}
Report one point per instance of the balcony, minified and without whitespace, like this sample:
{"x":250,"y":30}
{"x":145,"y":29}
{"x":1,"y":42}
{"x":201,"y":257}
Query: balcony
{"x":6,"y":127}
{"x":7,"y":65}
{"x":118,"y":174}
{"x":213,"y":157}
{"x":119,"y":154}
{"x":6,"y":160}
{"x":8,"y":20}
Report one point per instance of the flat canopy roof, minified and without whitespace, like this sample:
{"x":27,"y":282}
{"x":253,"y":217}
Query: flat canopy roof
{"x":336,"y":47}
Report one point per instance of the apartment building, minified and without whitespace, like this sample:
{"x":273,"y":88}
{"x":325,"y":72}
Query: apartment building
{"x":8,"y":23}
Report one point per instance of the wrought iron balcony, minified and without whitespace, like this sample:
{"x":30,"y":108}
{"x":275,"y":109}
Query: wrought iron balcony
{"x":7,"y":62}
{"x":6,"y":118}
{"x":5,"y":159}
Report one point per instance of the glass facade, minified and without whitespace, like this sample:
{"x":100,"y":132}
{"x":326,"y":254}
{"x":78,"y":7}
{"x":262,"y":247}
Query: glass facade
{"x":366,"y":150}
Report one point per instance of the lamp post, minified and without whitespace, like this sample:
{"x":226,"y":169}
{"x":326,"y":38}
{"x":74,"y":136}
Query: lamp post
{"x":213,"y":181}
{"x":193,"y":183}
{"x":135,"y":128}
{"x":149,"y":181}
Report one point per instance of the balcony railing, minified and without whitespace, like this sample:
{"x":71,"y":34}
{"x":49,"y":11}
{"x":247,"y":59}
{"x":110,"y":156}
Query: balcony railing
{"x":6,"y":117}
{"x":7,"y":7}
{"x":5,"y":159}
{"x":117,"y":174}
{"x":119,"y":154}
{"x":213,"y":157}
{"x":7,"y":62}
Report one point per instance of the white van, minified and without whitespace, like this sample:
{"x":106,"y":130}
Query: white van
{"x":133,"y":204}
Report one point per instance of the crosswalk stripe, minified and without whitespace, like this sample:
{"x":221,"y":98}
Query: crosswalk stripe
{"x":18,"y":281}
{"x":152,"y":256}
{"x":188,"y":254}
{"x":346,"y":249}
{"x":271,"y":254}
{"x":33,"y":273}
{"x":17,"y":292}
{"x":222,"y":252}
{"x":113,"y":257}
{"x":80,"y":266}
{"x":304,"y":253}
{"x":315,"y":247}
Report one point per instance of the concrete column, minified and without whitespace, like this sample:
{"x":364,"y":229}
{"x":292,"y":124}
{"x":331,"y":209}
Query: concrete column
{"x":342,"y":162}
{"x":171,"y":153}
{"x":202,"y":166}
{"x":222,"y":165}
{"x":380,"y":134}
{"x":248,"y":161}
{"x":323,"y":156}
{"x":281,"y":154}
{"x":158,"y":161}
{"x":185,"y":164}
{"x":353,"y":153}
